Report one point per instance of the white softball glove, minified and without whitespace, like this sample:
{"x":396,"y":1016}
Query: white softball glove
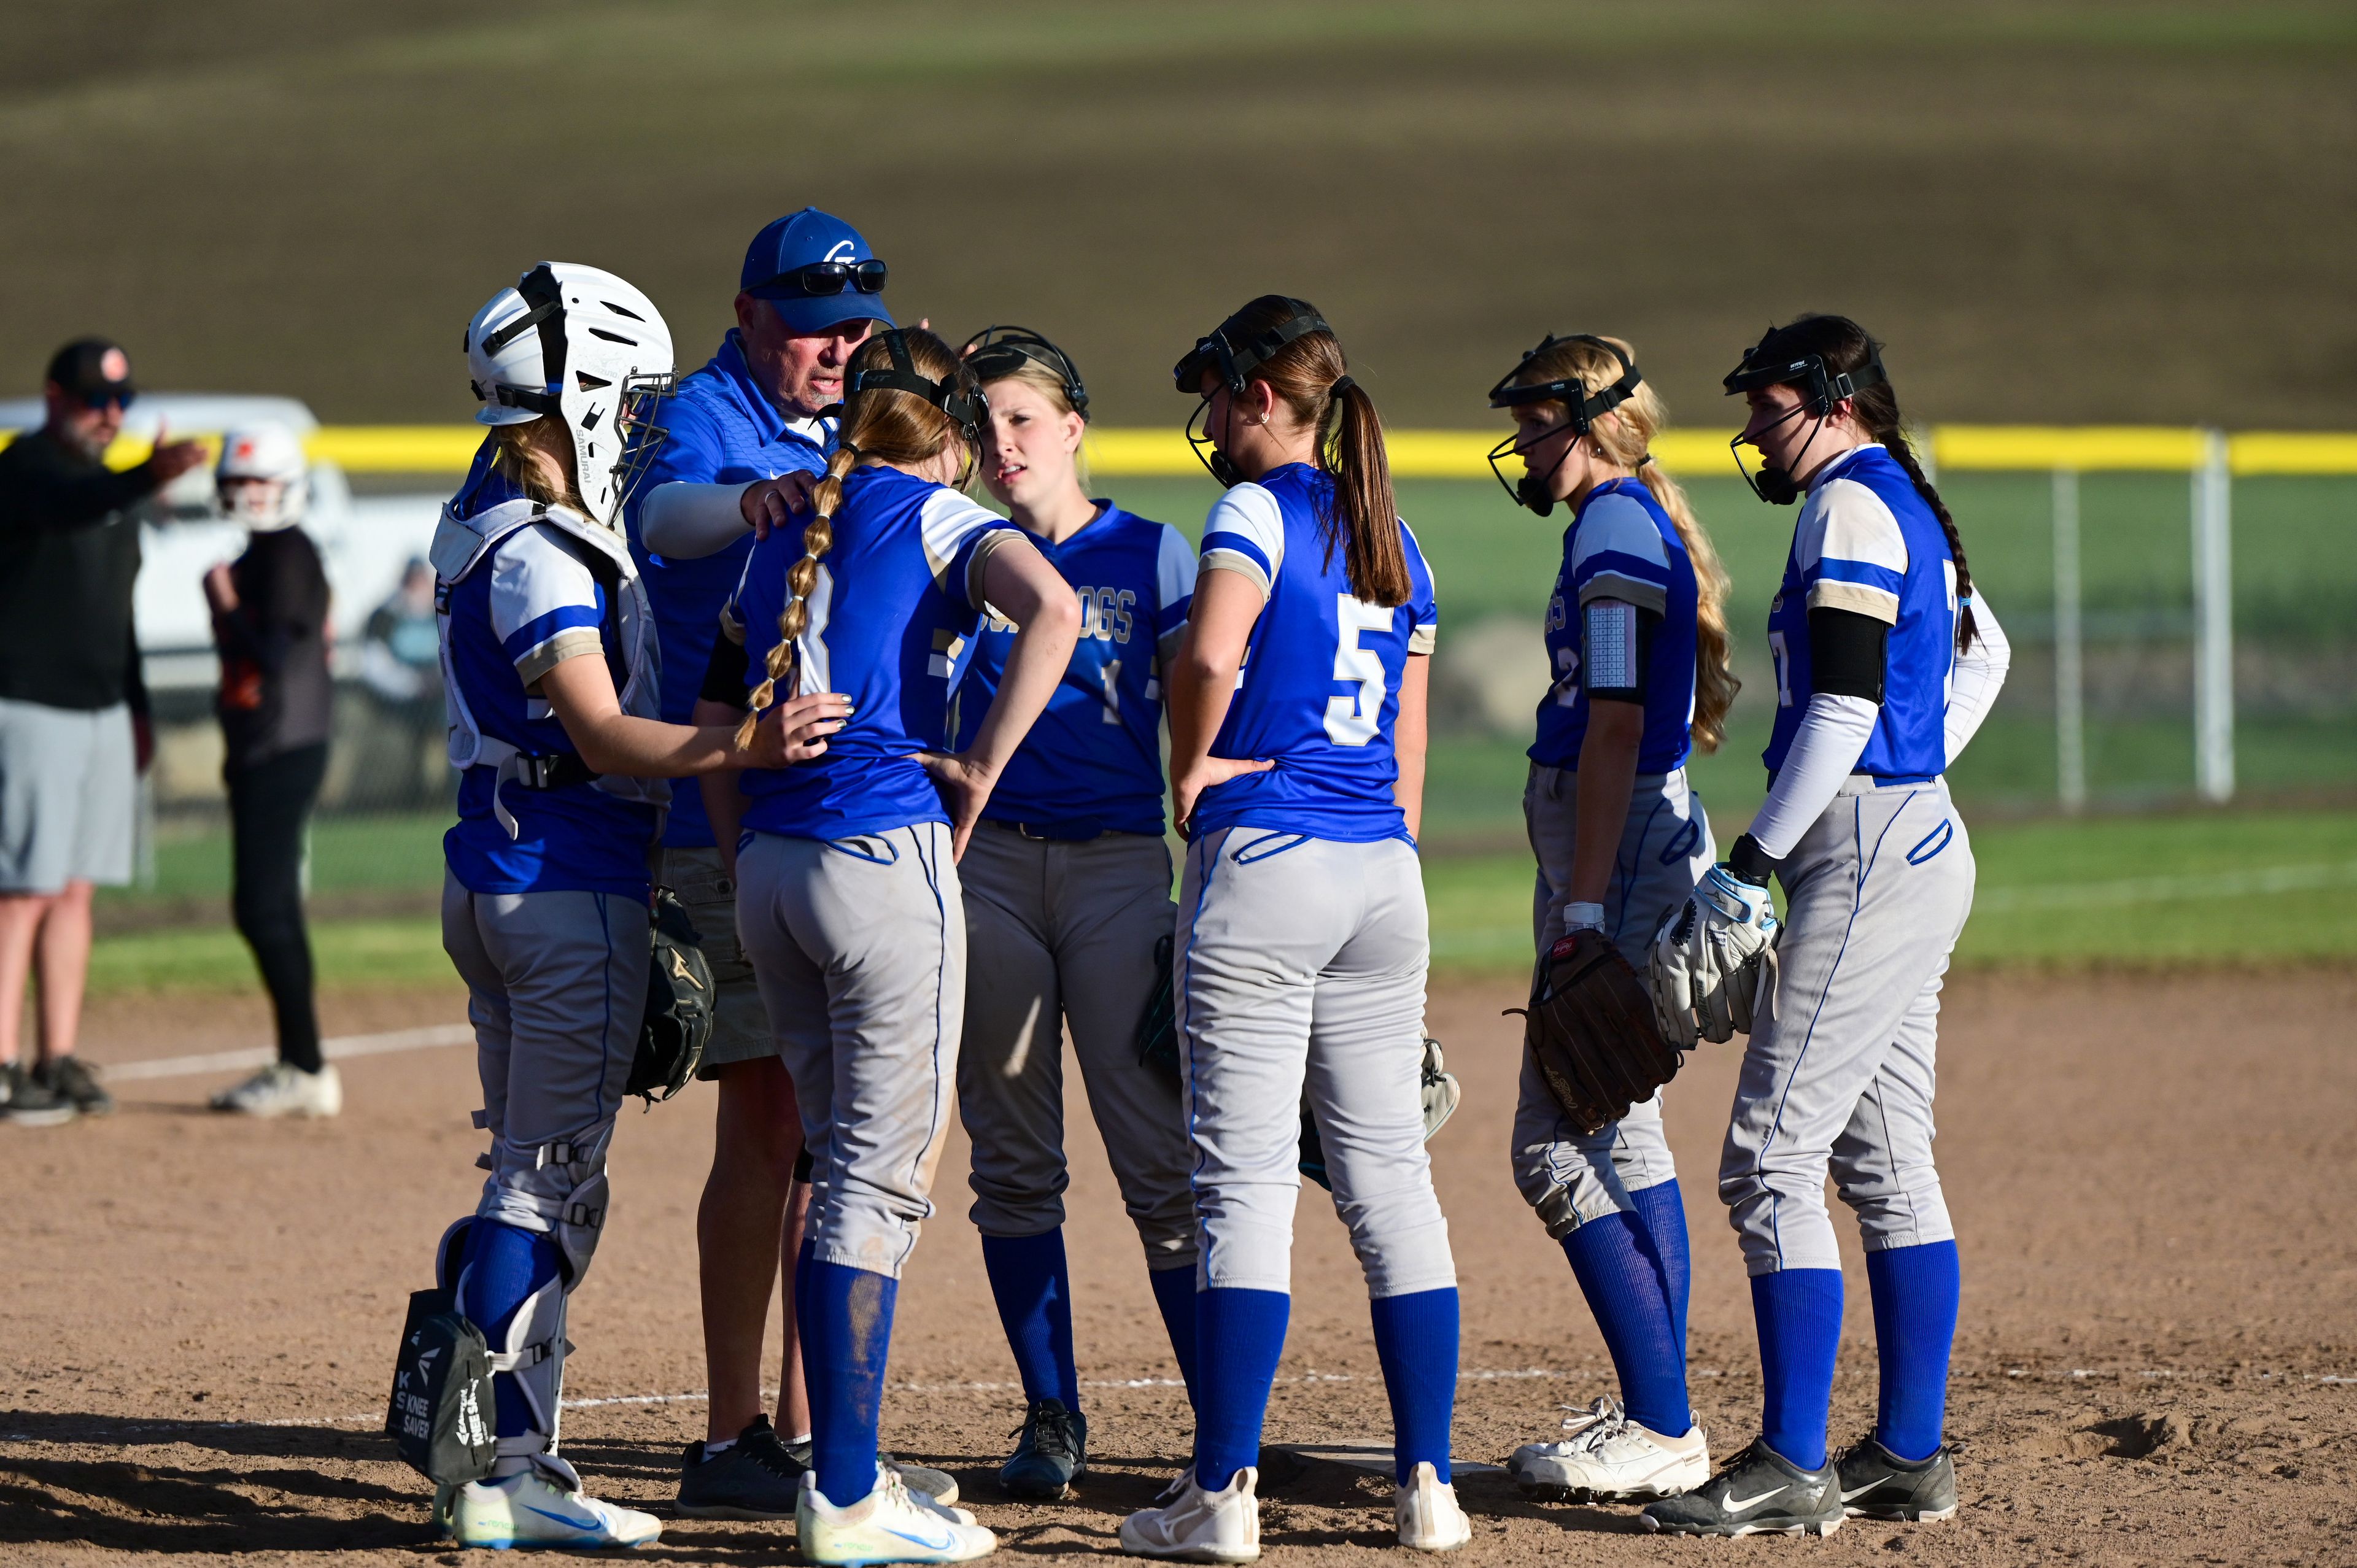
{"x":1714,"y":966}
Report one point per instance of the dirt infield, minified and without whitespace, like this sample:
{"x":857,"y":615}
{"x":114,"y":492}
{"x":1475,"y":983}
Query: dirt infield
{"x":2157,"y":1360}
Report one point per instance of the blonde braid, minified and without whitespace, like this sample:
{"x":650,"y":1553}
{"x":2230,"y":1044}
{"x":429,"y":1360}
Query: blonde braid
{"x":818,"y":538}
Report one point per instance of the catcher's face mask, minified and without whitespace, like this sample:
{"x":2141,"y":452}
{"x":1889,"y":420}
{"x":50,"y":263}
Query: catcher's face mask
{"x":1820,"y":392}
{"x":996,"y":351}
{"x":956,"y":395}
{"x":1231,"y":355}
{"x":1533,"y":489}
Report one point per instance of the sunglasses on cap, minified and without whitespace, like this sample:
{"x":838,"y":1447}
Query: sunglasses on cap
{"x":820,"y":279}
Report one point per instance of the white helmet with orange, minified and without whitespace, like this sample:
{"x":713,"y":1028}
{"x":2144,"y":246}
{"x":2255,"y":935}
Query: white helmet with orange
{"x":262,"y":478}
{"x":581,"y":346}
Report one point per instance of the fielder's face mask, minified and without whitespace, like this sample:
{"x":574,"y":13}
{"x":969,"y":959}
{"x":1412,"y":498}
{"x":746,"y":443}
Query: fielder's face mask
{"x":1821,"y":390}
{"x":956,"y":396}
{"x":1533,"y":488}
{"x":996,"y":351}
{"x":1235,"y":357}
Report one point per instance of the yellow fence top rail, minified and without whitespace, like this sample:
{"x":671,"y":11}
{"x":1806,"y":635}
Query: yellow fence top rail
{"x":442,"y":449}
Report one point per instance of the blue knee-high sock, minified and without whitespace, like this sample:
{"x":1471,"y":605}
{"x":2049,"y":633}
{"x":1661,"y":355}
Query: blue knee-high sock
{"x":851,"y":1319}
{"x":1663,"y":1210}
{"x":1915,"y":1290}
{"x":1033,"y":1291}
{"x":1174,"y":1297}
{"x":1239,"y":1334}
{"x":1416,"y":1339}
{"x":1799,"y":1312}
{"x":1623,"y":1284}
{"x":505,"y":1267}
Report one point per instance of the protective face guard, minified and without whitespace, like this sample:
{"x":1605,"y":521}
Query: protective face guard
{"x":969,"y":411}
{"x":1824,"y":389}
{"x":996,"y":351}
{"x":1531,"y":490}
{"x":1235,"y":362}
{"x":642,"y":438}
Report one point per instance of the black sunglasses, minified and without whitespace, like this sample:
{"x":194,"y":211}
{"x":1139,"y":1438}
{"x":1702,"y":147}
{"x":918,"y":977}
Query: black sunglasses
{"x":821,"y":278}
{"x":96,"y":401}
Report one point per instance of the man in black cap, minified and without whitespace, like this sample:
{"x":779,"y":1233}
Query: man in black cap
{"x":72,"y":703}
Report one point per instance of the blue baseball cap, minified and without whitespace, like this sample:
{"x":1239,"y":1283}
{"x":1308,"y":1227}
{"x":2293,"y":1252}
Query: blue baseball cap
{"x":774,"y":263}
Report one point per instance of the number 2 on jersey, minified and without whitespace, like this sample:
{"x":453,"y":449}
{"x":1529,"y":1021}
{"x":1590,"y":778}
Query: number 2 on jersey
{"x":1351,"y":720}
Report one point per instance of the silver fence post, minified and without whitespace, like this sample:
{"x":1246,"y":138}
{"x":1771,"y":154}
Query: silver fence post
{"x":2213,"y":623}
{"x":2070,"y":670}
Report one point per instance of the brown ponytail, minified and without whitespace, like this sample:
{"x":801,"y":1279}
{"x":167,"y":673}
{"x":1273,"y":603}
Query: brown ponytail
{"x":1844,"y":346}
{"x":1622,"y":436}
{"x":1312,"y":380}
{"x":882,"y":424}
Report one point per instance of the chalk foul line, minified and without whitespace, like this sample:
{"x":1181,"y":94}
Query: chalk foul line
{"x":337,"y":1049}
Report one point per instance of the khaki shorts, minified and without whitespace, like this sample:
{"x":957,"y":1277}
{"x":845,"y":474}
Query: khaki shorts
{"x":740,"y":1025}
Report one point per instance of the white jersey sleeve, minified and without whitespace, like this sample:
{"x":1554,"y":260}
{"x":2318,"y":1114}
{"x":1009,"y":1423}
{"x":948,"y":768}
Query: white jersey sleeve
{"x":1617,"y":554}
{"x":1245,"y":533}
{"x":956,"y":532}
{"x":545,"y":605}
{"x":1979,"y":675}
{"x":1850,"y":551}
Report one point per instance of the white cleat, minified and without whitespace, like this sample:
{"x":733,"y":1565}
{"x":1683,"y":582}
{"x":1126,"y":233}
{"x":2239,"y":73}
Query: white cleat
{"x":1196,"y":1526}
{"x":282,"y":1090}
{"x":1609,"y":1458}
{"x":1427,"y":1514}
{"x":543,"y":1506}
{"x":890,"y":1524}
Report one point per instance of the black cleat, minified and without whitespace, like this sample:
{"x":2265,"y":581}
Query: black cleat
{"x":1878,"y":1484}
{"x":756,"y":1477}
{"x":1054,"y":1453}
{"x":1761,"y":1492}
{"x":70,"y":1078}
{"x":27,"y":1101}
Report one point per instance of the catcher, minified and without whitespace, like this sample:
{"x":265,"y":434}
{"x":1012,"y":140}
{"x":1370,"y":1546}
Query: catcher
{"x":1636,"y":639}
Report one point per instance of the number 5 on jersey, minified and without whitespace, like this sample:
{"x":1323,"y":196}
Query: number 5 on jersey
{"x":1351,"y":719}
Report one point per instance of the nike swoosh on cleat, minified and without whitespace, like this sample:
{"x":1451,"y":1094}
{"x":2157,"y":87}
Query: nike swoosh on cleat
{"x":1861,"y":1491}
{"x":563,"y":1519}
{"x":1737,"y":1504}
{"x":944,"y":1544}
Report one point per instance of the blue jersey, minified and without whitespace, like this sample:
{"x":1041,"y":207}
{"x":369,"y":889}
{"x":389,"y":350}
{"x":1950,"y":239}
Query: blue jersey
{"x":527,"y":605}
{"x":723,"y":431}
{"x":1866,"y":543}
{"x":1320,"y":689}
{"x":1622,"y":547}
{"x":1092,"y":764}
{"x":893,"y":601}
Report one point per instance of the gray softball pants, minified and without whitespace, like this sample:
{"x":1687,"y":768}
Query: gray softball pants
{"x":1570,"y":1176}
{"x":1840,"y":1077}
{"x":1063,"y":933}
{"x":1301,"y":962}
{"x":859,"y":947}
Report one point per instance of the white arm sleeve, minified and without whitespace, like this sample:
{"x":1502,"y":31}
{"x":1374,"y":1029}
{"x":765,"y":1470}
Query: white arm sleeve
{"x":1979,"y":676}
{"x":688,"y":521}
{"x":1825,"y":751}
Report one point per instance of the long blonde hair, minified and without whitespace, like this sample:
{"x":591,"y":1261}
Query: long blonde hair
{"x":538,"y":454}
{"x":880,"y":424}
{"x":1623,"y":436}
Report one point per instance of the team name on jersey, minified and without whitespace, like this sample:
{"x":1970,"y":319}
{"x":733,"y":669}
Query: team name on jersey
{"x":1107,"y":614}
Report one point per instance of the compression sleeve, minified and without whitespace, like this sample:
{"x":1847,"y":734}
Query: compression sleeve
{"x":689,"y":521}
{"x":1979,"y":676}
{"x":1825,"y":751}
{"x":724,"y":674}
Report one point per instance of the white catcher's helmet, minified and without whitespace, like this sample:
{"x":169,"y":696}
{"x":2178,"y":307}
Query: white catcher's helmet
{"x":274,"y":454}
{"x":584,"y":347}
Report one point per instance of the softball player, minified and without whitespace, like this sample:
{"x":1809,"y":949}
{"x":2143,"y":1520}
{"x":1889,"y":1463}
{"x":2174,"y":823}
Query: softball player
{"x":1298,"y":733}
{"x":1885,"y":664}
{"x":1067,"y":893}
{"x":1636,"y":635}
{"x":848,"y":900}
{"x":551,"y":669}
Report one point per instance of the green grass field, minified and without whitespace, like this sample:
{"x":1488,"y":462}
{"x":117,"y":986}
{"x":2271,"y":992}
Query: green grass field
{"x":2250,"y":887}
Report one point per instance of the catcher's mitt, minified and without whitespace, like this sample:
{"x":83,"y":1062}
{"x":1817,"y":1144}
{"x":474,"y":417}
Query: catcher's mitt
{"x":1440,"y":1097}
{"x":1591,"y":1028}
{"x":1157,"y":1027}
{"x":677,"y":1025}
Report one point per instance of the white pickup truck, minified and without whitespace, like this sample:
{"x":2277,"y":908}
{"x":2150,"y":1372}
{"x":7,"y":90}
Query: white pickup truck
{"x":364,"y":540}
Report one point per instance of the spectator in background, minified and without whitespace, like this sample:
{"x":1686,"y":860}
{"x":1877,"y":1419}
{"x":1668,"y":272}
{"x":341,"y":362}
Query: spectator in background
{"x":277,"y":704}
{"x":73,"y":709}
{"x":401,"y":664}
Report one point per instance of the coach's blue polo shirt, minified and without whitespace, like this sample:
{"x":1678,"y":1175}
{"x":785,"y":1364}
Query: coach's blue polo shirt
{"x":723,"y":430}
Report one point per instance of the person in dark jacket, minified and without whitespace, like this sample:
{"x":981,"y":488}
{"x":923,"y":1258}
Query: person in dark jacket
{"x":73,"y":731}
{"x":276,"y":705}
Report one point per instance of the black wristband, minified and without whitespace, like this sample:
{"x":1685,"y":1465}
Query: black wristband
{"x":1747,"y":862}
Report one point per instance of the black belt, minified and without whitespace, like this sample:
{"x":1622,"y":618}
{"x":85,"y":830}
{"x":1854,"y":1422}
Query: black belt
{"x":552,"y":770}
{"x":1048,"y":835}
